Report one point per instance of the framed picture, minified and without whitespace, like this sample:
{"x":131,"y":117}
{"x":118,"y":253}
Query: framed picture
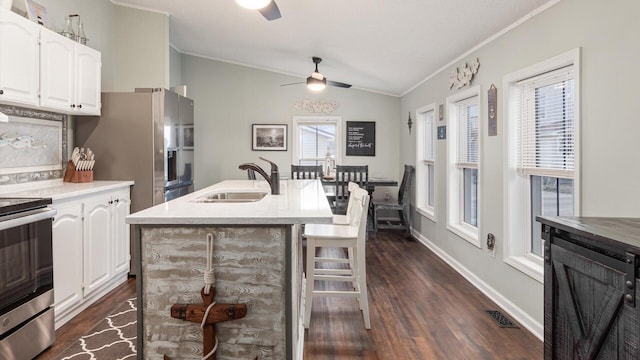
{"x":187,"y":137}
{"x":36,"y":12}
{"x":269,"y":137}
{"x":361,"y":138}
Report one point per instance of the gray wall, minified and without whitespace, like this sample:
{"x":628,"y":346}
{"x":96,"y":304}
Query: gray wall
{"x":175,"y":68}
{"x":229,"y":98}
{"x":142,"y":51}
{"x":607,"y":33}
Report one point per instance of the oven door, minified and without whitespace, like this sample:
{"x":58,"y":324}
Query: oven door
{"x":26,"y":260}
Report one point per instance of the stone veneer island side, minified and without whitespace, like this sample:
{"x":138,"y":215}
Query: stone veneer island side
{"x":257,"y":260}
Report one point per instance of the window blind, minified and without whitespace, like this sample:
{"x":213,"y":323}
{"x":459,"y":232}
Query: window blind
{"x":429,"y":136}
{"x":468,"y":135}
{"x":316,"y":141}
{"x":546,"y":124}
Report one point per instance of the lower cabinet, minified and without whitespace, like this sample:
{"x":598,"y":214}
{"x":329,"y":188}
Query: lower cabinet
{"x":90,"y":250}
{"x":592,"y":268}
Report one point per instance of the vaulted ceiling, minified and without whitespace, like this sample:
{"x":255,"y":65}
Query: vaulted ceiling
{"x":386,"y":46}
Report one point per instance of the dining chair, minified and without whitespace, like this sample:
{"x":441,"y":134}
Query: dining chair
{"x":352,"y":269}
{"x":358,"y":174}
{"x":399,"y":205}
{"x":299,"y":172}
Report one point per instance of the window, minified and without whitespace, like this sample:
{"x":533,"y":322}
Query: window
{"x":425,"y":166}
{"x":463,"y":200}
{"x":314,"y":137}
{"x":541,"y":174}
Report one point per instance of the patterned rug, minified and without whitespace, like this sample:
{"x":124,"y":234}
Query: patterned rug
{"x":114,"y":338}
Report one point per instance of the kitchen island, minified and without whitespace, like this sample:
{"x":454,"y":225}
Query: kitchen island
{"x":257,"y":261}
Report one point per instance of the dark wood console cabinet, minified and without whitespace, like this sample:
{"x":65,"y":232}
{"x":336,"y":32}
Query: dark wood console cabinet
{"x":591,"y":288}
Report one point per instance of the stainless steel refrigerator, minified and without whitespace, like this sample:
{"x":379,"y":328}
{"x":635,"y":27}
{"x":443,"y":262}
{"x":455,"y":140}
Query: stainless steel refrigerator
{"x":145,"y":136}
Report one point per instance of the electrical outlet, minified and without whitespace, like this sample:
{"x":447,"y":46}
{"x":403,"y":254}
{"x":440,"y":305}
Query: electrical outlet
{"x":491,"y":245}
{"x":491,"y":241}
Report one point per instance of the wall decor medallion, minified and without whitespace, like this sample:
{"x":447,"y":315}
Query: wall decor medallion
{"x":463,"y":76}
{"x":492,"y":108}
{"x":319,"y":106}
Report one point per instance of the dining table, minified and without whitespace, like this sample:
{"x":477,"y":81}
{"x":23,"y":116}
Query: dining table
{"x":371,"y":183}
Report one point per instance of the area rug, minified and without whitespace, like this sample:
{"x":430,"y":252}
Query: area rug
{"x":114,"y":338}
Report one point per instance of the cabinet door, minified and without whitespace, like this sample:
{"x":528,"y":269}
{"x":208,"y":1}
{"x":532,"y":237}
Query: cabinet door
{"x":98,"y":262}
{"x":87,"y":80}
{"x":67,"y":257}
{"x":121,"y":208}
{"x":590,"y":318}
{"x":19,"y":72}
{"x":56,"y":71}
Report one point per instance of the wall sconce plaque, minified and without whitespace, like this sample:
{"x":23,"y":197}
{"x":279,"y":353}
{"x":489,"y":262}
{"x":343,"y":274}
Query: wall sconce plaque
{"x":441,"y":112}
{"x":492,"y":99}
{"x":442,"y":132}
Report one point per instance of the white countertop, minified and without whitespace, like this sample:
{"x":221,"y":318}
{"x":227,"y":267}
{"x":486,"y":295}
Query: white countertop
{"x":301,"y":201}
{"x":59,"y":190}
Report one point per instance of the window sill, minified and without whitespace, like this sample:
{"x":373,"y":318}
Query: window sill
{"x":467,"y":233}
{"x":531,"y":267}
{"x":429,"y":214}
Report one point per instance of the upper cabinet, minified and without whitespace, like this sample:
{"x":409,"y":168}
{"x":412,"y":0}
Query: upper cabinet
{"x":52,"y":72}
{"x":69,"y":75}
{"x":19,"y":69}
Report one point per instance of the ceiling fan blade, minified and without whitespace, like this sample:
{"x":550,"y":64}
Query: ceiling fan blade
{"x":338,"y":84}
{"x":271,"y":11}
{"x":295,"y":83}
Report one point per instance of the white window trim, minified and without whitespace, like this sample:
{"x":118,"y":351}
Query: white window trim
{"x":516,"y":199}
{"x":422,"y":177}
{"x":303,"y":120}
{"x":455,"y":222}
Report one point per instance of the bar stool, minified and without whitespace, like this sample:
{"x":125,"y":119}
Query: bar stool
{"x":350,"y":236}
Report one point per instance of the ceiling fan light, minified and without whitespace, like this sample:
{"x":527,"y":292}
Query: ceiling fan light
{"x":253,"y":4}
{"x":314,"y":84}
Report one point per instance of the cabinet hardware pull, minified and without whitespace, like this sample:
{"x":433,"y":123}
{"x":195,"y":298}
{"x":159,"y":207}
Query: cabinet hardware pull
{"x":73,"y":105}
{"x":631,"y":275}
{"x":1,"y":91}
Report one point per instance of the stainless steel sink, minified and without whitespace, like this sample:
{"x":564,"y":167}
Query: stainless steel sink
{"x":230,"y":197}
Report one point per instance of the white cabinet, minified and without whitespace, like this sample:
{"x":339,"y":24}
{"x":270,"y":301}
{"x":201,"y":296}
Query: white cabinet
{"x":69,"y":75}
{"x":67,"y":256}
{"x":19,"y":71}
{"x":40,"y":68}
{"x":91,"y":250}
{"x":98,"y":267}
{"x":121,"y":232}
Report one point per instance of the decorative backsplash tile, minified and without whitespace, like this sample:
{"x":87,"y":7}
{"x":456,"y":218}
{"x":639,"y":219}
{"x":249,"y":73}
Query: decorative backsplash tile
{"x":33,"y":145}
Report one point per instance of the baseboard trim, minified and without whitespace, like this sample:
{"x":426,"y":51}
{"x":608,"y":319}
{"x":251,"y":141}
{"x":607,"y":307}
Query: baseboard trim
{"x":533,"y":326}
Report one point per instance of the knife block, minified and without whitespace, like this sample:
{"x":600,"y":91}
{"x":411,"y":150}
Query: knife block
{"x":77,"y":176}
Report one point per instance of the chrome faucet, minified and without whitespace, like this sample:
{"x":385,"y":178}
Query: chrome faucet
{"x":273,"y":180}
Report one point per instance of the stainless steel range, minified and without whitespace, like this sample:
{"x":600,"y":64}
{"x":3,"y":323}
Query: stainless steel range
{"x":26,"y":277}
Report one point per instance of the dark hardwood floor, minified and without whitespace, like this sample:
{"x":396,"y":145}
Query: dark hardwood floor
{"x":420,"y":309}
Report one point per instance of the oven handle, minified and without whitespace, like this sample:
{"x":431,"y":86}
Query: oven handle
{"x":28,"y":218}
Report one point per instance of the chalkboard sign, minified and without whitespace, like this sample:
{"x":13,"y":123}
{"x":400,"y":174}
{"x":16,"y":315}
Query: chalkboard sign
{"x":361,"y":138}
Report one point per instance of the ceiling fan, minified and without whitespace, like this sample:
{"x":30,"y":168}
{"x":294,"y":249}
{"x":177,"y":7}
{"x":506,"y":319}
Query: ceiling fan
{"x":317,"y":81}
{"x":268,"y":8}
